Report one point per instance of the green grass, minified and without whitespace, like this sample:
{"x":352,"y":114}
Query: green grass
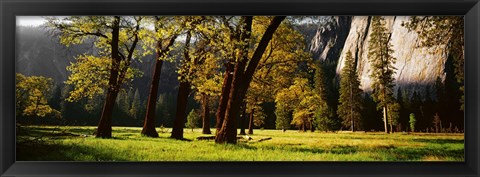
{"x":48,"y":143}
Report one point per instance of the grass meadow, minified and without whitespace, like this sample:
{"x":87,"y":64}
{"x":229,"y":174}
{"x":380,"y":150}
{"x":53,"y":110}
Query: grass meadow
{"x":45,"y":143}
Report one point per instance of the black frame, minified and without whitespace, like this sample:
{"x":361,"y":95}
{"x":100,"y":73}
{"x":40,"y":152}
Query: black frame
{"x":11,"y":8}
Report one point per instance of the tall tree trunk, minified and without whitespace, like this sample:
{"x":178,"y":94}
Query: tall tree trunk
{"x":179,"y":123}
{"x":222,"y":106}
{"x":385,"y":120}
{"x":351,"y":108}
{"x":228,"y":131}
{"x":391,"y":126}
{"x":149,"y":122}
{"x":250,"y":122}
{"x":104,"y":129}
{"x":206,"y":114}
{"x":243,"y":118}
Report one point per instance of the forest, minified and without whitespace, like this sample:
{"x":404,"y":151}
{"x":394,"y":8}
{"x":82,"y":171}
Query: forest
{"x":286,"y":87}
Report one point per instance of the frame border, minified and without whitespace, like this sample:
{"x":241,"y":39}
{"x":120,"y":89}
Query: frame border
{"x":9,"y":9}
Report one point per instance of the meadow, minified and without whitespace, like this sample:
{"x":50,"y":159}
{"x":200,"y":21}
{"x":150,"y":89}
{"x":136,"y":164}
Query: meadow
{"x":76,"y":143}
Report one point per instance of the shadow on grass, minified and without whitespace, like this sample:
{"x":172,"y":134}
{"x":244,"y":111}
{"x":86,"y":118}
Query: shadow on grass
{"x":49,"y":151}
{"x":334,"y":150}
{"x":440,"y":141}
{"x":403,"y":154}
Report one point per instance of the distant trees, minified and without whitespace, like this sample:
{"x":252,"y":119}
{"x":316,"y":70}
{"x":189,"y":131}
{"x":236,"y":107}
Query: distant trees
{"x":32,"y":93}
{"x":350,"y":94}
{"x":412,"y":122}
{"x":306,"y":106}
{"x":192,"y":119}
{"x":381,"y":59}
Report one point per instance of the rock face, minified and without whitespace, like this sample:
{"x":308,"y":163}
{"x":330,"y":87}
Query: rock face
{"x":329,"y":40}
{"x":416,"y":66}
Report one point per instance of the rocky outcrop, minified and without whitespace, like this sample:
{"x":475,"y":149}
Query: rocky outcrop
{"x":416,"y":66}
{"x":330,"y":38}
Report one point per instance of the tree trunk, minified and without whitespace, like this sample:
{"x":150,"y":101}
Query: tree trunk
{"x":351,"y":109}
{"x":250,"y":122}
{"x":149,"y":123}
{"x":391,"y":126}
{"x":179,"y":123}
{"x":104,"y":129}
{"x":312,"y":128}
{"x":206,"y":114}
{"x":243,"y":118}
{"x":228,"y":132}
{"x":222,"y":105}
{"x":385,"y":120}
{"x":242,"y":79}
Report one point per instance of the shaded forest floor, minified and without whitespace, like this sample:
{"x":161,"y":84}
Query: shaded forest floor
{"x":78,"y":144}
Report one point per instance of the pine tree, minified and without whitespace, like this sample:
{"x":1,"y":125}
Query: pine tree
{"x":192,"y":119}
{"x":284,"y":117}
{"x":350,"y":94}
{"x":323,"y":115}
{"x":135,"y":108}
{"x":381,"y":59}
{"x":412,"y":122}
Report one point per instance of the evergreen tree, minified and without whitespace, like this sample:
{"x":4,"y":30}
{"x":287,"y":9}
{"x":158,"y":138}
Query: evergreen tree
{"x":381,"y":59}
{"x":412,"y":122}
{"x":284,"y":117}
{"x":123,"y":102}
{"x":350,"y":94}
{"x":192,"y":119}
{"x":324,"y":115}
{"x":135,"y":108}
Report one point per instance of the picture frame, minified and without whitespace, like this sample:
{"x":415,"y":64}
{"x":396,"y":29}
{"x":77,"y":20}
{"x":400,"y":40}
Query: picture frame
{"x":12,"y":8}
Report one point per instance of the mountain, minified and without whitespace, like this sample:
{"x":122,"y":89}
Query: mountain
{"x":416,"y":66}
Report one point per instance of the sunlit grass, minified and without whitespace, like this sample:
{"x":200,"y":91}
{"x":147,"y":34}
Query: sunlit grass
{"x":78,"y":144}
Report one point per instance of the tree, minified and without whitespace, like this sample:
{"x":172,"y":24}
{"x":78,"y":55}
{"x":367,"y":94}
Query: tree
{"x":284,"y":117}
{"x":134,"y":110}
{"x":445,"y":31}
{"x":323,"y":119}
{"x":412,"y":122}
{"x":394,"y":115}
{"x":192,"y":57}
{"x":437,"y":123}
{"x":116,"y":37}
{"x":277,"y":67}
{"x":166,"y":31}
{"x":350,"y":94}
{"x":323,"y":115}
{"x":241,"y":78}
{"x":381,"y":59}
{"x":31,"y":95}
{"x":192,"y":119}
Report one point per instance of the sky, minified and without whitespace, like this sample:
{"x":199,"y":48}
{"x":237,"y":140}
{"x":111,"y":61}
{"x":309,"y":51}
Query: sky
{"x":30,"y":20}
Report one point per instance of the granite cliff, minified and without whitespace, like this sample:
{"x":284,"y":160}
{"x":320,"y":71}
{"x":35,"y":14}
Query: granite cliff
{"x":416,"y":66}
